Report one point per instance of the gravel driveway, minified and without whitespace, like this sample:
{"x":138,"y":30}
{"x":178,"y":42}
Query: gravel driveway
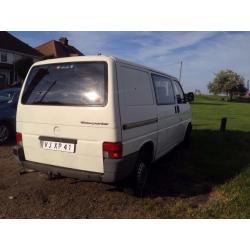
{"x":32,"y":195}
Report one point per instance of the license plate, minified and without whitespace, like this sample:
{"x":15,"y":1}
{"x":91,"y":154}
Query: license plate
{"x":58,"y":146}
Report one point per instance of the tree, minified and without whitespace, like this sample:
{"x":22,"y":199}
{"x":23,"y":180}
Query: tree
{"x":227,"y":82}
{"x":22,"y":67}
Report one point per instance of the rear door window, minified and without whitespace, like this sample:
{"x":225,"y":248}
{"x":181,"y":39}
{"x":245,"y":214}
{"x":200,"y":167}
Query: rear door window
{"x":76,"y":83}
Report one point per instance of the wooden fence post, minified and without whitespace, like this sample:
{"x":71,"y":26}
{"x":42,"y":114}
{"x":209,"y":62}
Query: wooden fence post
{"x":223,"y":124}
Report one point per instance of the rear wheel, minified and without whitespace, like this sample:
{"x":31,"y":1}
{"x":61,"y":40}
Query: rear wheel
{"x":4,"y":133}
{"x":141,"y":177}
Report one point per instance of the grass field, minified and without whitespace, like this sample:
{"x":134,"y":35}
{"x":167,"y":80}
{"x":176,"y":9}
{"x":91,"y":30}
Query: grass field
{"x":211,"y":179}
{"x":218,"y":164}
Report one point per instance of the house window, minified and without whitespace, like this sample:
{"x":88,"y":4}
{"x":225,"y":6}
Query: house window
{"x":3,"y":57}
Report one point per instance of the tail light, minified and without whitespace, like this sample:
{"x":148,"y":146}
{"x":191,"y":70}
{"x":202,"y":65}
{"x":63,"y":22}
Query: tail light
{"x":19,"y":138}
{"x":112,"y":150}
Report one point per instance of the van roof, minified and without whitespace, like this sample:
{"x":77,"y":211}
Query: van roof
{"x":98,"y":58}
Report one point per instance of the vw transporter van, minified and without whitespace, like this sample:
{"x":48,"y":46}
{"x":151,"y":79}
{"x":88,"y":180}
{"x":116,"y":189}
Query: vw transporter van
{"x":99,"y":118}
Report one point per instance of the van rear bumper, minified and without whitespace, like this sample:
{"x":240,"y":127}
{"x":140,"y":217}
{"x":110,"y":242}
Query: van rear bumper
{"x":114,"y":169}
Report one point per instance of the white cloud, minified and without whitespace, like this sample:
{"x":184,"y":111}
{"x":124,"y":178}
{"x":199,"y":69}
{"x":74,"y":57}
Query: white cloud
{"x":90,"y":42}
{"x":202,"y":53}
{"x":167,"y":42}
{"x":228,"y":51}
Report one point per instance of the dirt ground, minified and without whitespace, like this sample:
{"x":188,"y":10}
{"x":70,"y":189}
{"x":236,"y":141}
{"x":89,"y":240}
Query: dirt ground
{"x":33,"y":195}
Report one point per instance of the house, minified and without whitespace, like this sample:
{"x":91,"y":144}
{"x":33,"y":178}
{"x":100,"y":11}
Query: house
{"x":11,"y":50}
{"x":61,"y":48}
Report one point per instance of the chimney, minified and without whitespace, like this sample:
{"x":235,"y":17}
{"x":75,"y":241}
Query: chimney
{"x":64,"y":41}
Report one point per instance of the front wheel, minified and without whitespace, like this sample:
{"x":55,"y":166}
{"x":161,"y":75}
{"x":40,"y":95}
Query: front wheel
{"x":4,"y":133}
{"x":187,"y":138}
{"x":141,"y":177}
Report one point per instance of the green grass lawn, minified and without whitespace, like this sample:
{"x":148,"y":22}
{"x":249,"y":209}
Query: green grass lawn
{"x":208,"y":111}
{"x":211,"y":179}
{"x":218,"y":165}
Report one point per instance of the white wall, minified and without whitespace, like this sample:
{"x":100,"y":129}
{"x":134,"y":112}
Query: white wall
{"x":11,"y":56}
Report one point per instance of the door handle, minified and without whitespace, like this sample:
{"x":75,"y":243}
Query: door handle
{"x":175,"y":110}
{"x":178,"y":108}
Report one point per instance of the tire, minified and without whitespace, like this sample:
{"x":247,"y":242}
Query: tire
{"x":140,"y":178}
{"x":187,"y":138}
{"x":52,"y":176}
{"x":4,"y":133}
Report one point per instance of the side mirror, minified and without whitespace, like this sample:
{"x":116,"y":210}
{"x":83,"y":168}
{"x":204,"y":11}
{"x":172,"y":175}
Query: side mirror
{"x":178,"y":98}
{"x":189,"y":97}
{"x":14,"y":101}
{"x":14,"y":104}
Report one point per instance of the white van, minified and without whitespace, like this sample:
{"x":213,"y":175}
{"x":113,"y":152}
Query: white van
{"x":99,"y":118}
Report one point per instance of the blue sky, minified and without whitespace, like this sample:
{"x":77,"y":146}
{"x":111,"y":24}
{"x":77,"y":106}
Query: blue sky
{"x":203,"y":53}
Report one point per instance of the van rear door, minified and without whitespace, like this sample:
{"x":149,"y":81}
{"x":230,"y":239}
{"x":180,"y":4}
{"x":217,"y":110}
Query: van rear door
{"x":63,"y":115}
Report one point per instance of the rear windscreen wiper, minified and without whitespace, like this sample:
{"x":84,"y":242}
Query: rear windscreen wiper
{"x":48,"y":103}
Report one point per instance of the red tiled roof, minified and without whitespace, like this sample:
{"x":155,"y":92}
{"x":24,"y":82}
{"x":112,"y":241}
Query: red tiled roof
{"x":9,"y":42}
{"x":58,"y":49}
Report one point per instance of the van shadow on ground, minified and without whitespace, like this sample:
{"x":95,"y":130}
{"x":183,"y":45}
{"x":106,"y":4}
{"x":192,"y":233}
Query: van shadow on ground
{"x":212,"y":159}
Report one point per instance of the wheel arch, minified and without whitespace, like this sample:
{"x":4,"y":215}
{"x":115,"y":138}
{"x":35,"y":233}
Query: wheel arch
{"x":147,"y":151}
{"x":8,"y":123}
{"x":189,"y":126}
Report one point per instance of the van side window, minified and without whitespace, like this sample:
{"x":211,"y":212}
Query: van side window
{"x":178,"y":92}
{"x":163,"y":90}
{"x":136,"y":87}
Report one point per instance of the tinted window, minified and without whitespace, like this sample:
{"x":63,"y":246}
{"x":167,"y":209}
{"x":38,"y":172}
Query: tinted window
{"x":7,"y":95}
{"x":82,"y":83}
{"x":163,"y":90}
{"x":178,"y":92}
{"x":4,"y":58}
{"x":2,"y":79}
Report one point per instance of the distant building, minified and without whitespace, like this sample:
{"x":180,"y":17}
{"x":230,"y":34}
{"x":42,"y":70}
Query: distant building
{"x":11,"y":50}
{"x":247,"y":94}
{"x":197,"y":92}
{"x":61,"y":48}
